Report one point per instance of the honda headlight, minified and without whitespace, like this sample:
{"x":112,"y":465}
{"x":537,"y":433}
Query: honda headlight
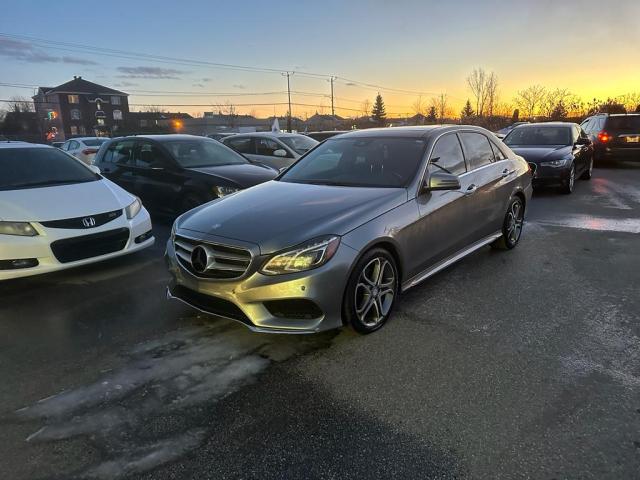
{"x":305,"y":257}
{"x":556,"y":163}
{"x":133,"y":209}
{"x":23,"y":229}
{"x":222,"y":191}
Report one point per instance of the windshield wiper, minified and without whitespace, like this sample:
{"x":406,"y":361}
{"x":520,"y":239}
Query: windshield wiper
{"x":47,"y":182}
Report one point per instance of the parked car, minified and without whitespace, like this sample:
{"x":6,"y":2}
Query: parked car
{"x":560,"y":151}
{"x":338,"y":235}
{"x":278,"y":150}
{"x":321,"y":136}
{"x":174,"y":173}
{"x":57,"y":213}
{"x":219,"y":136}
{"x":57,"y":144}
{"x":504,"y":131}
{"x":615,"y":136}
{"x":84,"y":148}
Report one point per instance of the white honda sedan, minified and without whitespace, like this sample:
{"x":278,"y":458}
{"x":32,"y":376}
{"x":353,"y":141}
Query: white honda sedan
{"x":56,"y":213}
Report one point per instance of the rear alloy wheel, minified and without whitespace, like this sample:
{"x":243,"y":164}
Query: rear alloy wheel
{"x":589,"y":171}
{"x":569,"y":182}
{"x":371,"y":292}
{"x":512,"y":226}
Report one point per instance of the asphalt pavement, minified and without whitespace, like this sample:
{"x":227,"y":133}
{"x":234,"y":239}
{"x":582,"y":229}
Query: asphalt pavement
{"x":507,"y":365}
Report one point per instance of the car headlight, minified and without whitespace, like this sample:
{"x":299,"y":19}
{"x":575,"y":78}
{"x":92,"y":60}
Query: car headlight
{"x":174,"y":227}
{"x":556,"y":163}
{"x":312,"y":254}
{"x":133,"y":209}
{"x":23,"y":229}
{"x":222,"y":191}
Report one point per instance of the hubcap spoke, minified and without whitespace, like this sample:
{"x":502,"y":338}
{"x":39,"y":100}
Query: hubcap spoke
{"x":375,"y":291}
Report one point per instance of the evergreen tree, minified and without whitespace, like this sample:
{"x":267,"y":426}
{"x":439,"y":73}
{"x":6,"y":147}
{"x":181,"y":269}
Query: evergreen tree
{"x":433,"y":115}
{"x":516,"y":115}
{"x":467,"y":111}
{"x":559,"y":111}
{"x":378,"y":113}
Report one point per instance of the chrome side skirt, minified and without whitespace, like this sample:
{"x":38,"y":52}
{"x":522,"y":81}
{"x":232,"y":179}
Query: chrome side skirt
{"x":442,"y":264}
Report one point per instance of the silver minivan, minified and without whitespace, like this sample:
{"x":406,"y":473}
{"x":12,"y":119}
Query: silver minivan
{"x":277,"y":150}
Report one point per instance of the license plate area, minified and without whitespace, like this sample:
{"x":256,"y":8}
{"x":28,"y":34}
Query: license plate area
{"x":634,"y":139}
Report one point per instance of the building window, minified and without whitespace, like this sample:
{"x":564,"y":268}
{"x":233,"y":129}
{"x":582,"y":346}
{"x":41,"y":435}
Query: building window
{"x":143,"y":123}
{"x":75,"y":114}
{"x":82,"y":130}
{"x":117,"y":114}
{"x":74,"y":130}
{"x":73,"y":98}
{"x":100,"y":121}
{"x":98,"y":106}
{"x":115,"y":100}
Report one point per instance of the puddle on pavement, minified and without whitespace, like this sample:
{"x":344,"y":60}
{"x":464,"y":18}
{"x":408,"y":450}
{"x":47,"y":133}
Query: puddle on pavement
{"x":590,"y":222}
{"x":191,"y":367}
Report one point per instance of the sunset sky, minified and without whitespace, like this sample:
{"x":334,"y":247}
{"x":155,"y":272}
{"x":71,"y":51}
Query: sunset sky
{"x":400,"y":48}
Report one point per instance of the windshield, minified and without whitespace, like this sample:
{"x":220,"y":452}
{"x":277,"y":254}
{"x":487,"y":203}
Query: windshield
{"x":40,"y":167}
{"x":360,"y":162}
{"x":299,"y":143}
{"x":539,"y":136}
{"x":203,"y":153}
{"x":94,"y":142}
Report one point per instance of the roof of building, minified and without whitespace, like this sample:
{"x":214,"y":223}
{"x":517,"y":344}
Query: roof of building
{"x":80,"y":85}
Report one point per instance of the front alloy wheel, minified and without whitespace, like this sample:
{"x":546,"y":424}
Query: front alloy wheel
{"x":569,"y":182}
{"x":372,"y":291}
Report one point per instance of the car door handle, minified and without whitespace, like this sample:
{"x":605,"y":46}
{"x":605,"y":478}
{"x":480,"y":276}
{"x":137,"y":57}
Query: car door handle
{"x":506,"y":172}
{"x":471,"y":188}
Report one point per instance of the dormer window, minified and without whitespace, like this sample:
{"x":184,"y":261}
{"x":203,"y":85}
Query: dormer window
{"x":73,"y":98}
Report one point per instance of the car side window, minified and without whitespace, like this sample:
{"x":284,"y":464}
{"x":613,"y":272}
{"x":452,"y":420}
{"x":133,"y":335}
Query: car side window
{"x":477,"y":149}
{"x":497,"y":153}
{"x":241,"y":145}
{"x":148,"y":155}
{"x":447,"y":154}
{"x":120,"y":152}
{"x":266,"y":146}
{"x":65,"y":146}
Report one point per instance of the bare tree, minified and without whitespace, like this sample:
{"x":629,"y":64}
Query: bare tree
{"x":441,"y":105}
{"x":231,"y":113}
{"x":20,"y":104}
{"x":491,"y":88}
{"x":530,"y":99}
{"x":366,"y":108}
{"x":152,"y":109}
{"x":418,"y":106}
{"x":631,"y":101}
{"x":552,"y":99}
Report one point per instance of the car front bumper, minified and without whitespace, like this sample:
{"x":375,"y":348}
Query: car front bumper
{"x":304,"y":302}
{"x":551,"y":175}
{"x":39,"y":247}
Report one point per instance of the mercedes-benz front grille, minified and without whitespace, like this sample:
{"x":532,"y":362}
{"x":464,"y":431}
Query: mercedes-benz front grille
{"x":212,"y":260}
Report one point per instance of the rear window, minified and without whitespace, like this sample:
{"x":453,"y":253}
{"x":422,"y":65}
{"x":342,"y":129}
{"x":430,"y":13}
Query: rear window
{"x":40,"y":167}
{"x":630,"y":123}
{"x":95,"y":143}
{"x":538,"y":136}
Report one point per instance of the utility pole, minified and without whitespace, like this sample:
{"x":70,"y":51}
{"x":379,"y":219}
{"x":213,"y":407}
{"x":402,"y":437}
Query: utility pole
{"x":333,"y":112}
{"x":288,"y":74}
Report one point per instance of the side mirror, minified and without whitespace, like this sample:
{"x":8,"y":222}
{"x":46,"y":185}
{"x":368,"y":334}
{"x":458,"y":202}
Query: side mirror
{"x":441,"y":181}
{"x":94,"y":169}
{"x":500,"y":135}
{"x":281,"y":152}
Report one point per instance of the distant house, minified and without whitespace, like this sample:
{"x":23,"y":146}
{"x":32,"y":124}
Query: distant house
{"x":79,"y":108}
{"x":155,"y":122}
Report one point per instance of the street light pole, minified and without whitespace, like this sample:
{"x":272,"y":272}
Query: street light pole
{"x":288,"y":74}
{"x":333,"y":112}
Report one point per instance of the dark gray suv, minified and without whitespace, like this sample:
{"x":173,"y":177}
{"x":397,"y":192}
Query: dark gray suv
{"x":358,"y":219}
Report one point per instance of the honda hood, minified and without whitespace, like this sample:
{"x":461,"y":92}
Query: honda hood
{"x":58,"y":202}
{"x":277,"y":215}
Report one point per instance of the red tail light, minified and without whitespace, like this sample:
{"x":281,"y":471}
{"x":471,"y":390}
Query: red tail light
{"x":604,"y":137}
{"x":89,"y":151}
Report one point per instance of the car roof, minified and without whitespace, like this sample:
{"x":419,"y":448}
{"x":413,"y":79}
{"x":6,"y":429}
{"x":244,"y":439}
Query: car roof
{"x":547,"y":124}
{"x":423,"y":131}
{"x":87,"y":138}
{"x":270,"y":134}
{"x":18,"y":144}
{"x":164,"y":138}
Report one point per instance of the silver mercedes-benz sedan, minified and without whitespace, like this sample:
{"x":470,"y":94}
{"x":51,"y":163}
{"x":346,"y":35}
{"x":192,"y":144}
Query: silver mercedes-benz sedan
{"x":342,"y":232}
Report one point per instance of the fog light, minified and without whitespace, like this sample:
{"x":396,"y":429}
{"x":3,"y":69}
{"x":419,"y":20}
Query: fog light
{"x":18,"y":263}
{"x":145,"y":236}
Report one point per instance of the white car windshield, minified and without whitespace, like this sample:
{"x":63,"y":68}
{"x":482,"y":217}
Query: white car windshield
{"x":40,"y":167}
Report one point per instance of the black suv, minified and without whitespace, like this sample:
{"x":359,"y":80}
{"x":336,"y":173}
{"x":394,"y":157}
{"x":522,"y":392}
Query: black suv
{"x":614,"y":136}
{"x":175,"y":173}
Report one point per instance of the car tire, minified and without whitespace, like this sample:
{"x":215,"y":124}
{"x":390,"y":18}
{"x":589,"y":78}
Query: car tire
{"x":191,"y":201}
{"x":372,"y":291}
{"x":512,"y":225}
{"x":567,"y":186}
{"x":588,"y":173}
